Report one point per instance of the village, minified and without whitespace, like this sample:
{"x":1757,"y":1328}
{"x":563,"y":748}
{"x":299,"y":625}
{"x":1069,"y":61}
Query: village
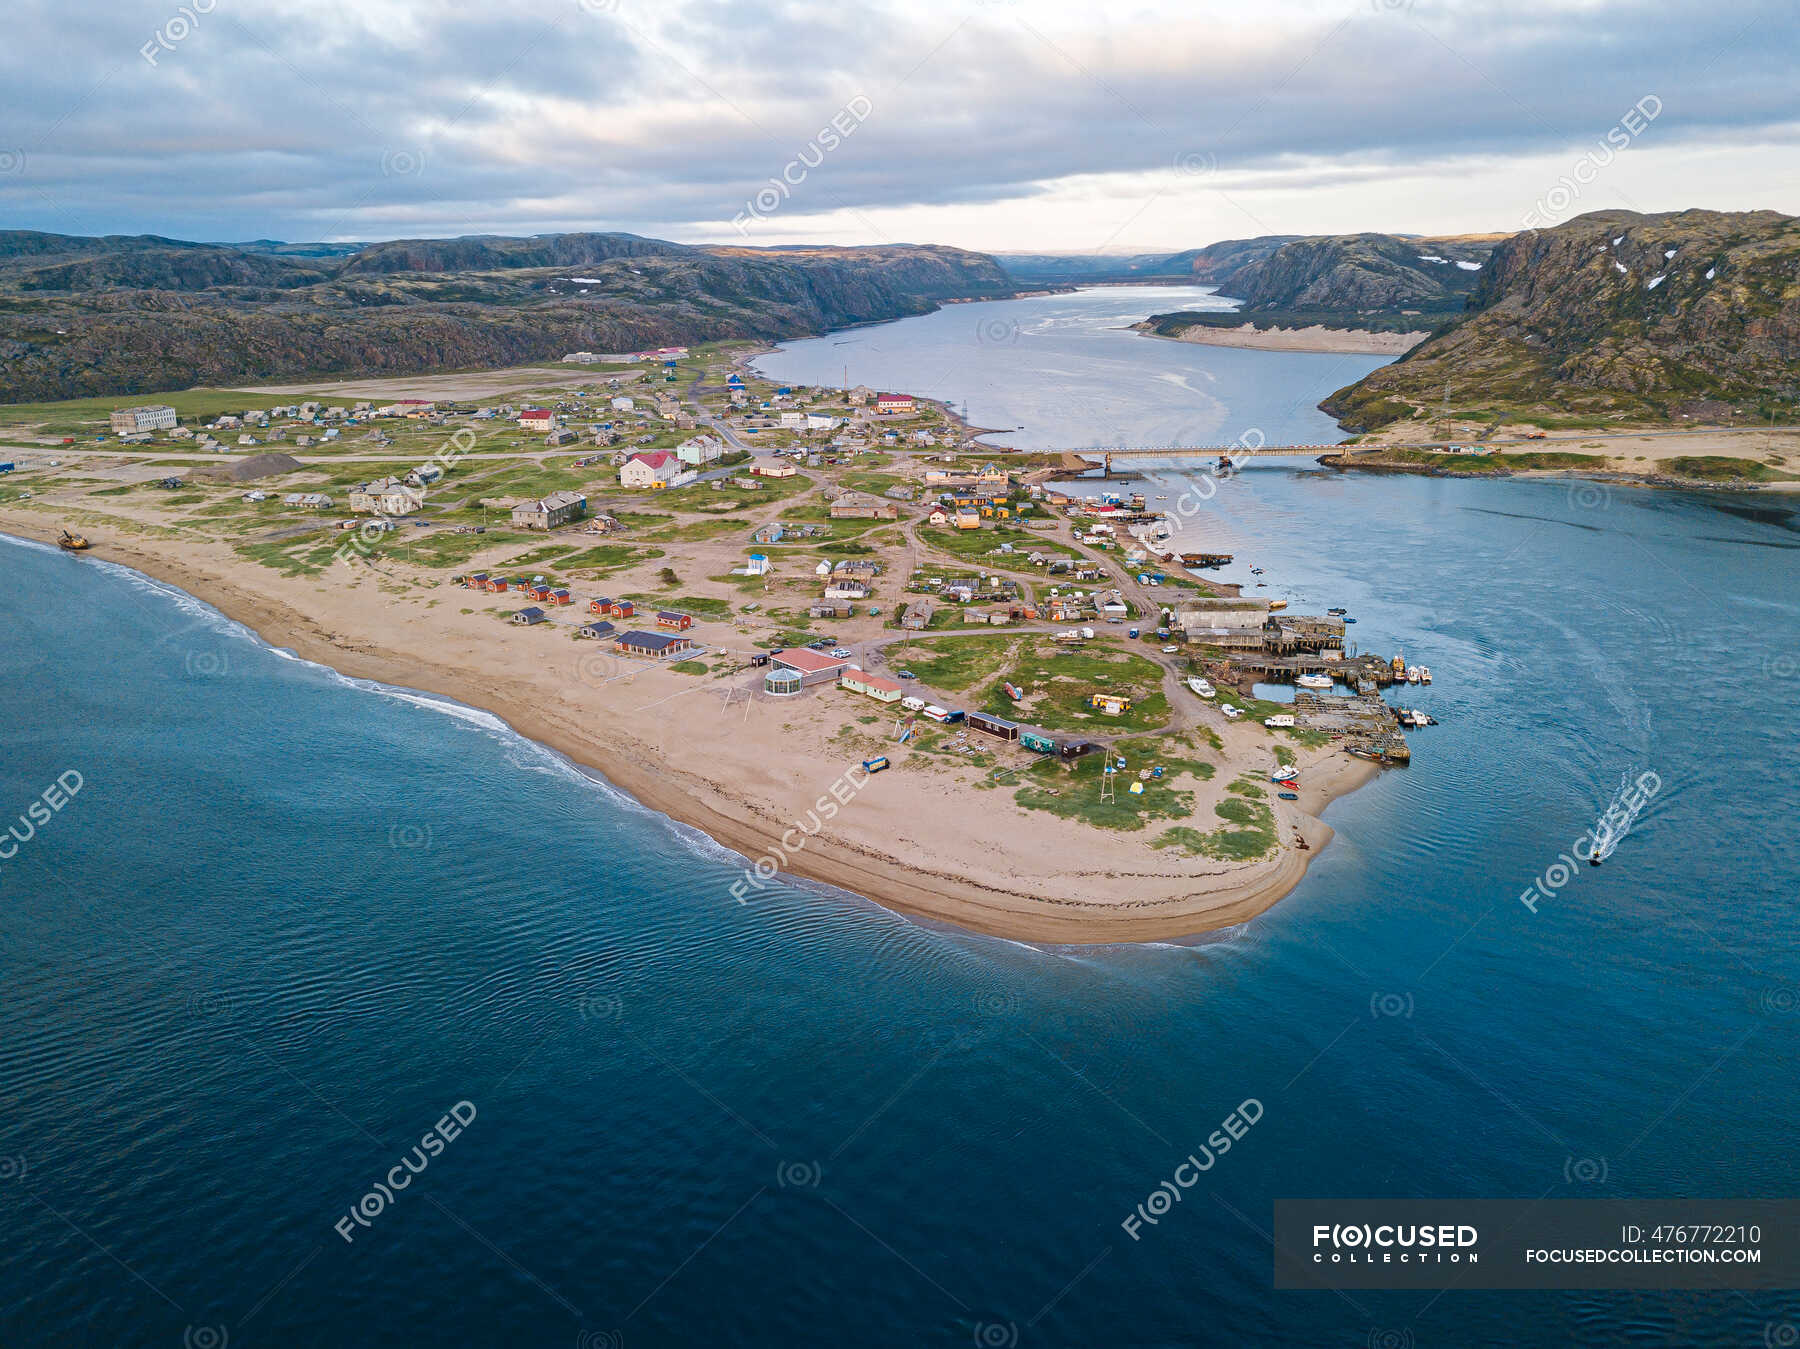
{"x":846,"y":565}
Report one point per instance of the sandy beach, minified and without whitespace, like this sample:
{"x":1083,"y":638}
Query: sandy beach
{"x":746,"y":769}
{"x":1341,"y":341}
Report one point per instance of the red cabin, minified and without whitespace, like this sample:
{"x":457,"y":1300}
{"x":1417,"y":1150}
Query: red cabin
{"x":674,"y":622}
{"x":561,"y":597}
{"x":496,"y":585}
{"x":601,"y":606}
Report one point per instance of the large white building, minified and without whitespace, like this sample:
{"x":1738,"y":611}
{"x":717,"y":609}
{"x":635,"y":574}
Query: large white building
{"x":152,"y":417}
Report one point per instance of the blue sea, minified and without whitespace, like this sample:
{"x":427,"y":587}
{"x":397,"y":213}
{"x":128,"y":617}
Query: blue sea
{"x":289,"y":926}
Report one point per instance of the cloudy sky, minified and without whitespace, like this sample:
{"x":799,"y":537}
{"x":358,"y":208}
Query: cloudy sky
{"x":993,"y":124}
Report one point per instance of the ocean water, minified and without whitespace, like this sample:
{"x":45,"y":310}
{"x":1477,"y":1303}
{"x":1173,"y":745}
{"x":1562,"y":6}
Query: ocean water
{"x":291,"y":921}
{"x":1070,"y":372}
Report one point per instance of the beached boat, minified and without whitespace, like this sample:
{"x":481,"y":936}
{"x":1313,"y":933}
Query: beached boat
{"x":1288,"y":796}
{"x":73,"y":543}
{"x":1201,"y":688}
{"x":1314,"y":681}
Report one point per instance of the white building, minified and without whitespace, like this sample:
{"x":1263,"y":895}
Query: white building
{"x":152,"y":417}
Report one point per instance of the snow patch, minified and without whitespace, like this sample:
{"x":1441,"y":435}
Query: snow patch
{"x":1618,"y":241}
{"x":1669,"y":252}
{"x":1711,"y":272}
{"x":1623,"y":269}
{"x":586,"y":281}
{"x":1432,"y":257}
{"x":1656,"y":281}
{"x":1468,"y":266}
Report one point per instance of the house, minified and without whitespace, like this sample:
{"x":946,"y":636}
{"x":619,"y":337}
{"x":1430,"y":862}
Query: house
{"x":758,"y":565}
{"x":602,"y":523}
{"x":595,"y":630}
{"x":792,"y":421}
{"x":861,"y":506}
{"x":895,"y":403}
{"x":538,"y":592}
{"x":998,"y":727}
{"x":968,"y":519}
{"x":1114,"y":611}
{"x":620,"y":609}
{"x":537,"y":419}
{"x":857,"y":566}
{"x":478,"y":581}
{"x":673,"y":620}
{"x":861,"y":395}
{"x":820,"y":421}
{"x":624,"y":403}
{"x":312,"y":501}
{"x":528,"y":617}
{"x":830,"y":609}
{"x":700,"y":451}
{"x":938,"y":516}
{"x":600,"y":606}
{"x":847,"y":588}
{"x":386,"y":496}
{"x":811,"y":667}
{"x":151,"y":417}
{"x":770,"y":533}
{"x":561,"y":597}
{"x":654,"y":469}
{"x":774,"y":468}
{"x":552,"y":512}
{"x":876,"y":687}
{"x":1041,"y":744}
{"x":918,"y":616}
{"x":658,"y":646}
{"x":257,"y":495}
{"x":562,"y":437}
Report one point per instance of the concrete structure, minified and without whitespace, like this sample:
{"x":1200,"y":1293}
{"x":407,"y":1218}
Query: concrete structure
{"x":386,"y":496}
{"x":150,"y":417}
{"x":860,"y":506}
{"x":551,"y":512}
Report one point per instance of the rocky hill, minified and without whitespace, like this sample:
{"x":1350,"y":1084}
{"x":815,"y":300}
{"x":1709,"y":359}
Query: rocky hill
{"x":1692,"y":314}
{"x":85,"y":317}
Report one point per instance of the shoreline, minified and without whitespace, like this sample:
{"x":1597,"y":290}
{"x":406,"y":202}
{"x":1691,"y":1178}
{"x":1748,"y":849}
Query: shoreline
{"x":1018,"y":913}
{"x":1317,"y":338}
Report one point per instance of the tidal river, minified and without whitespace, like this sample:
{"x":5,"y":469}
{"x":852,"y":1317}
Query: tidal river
{"x":290,"y":925}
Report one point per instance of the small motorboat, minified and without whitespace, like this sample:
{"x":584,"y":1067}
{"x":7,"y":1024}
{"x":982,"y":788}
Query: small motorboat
{"x":1349,"y":620}
{"x":1277,"y":604}
{"x":1200,"y":687}
{"x":1288,"y":796}
{"x":73,"y":543}
{"x":1337,"y":613}
{"x":1256,"y":571}
{"x":1314,"y":681}
{"x":1424,"y":674}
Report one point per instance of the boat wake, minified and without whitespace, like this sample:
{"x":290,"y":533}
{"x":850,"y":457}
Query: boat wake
{"x":1620,"y":814}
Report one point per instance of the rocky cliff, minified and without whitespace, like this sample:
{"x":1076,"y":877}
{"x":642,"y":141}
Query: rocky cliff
{"x":85,"y":317}
{"x":1615,"y":314}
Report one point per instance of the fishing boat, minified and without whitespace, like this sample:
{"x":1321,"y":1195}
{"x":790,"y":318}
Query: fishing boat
{"x":1337,"y":613}
{"x":73,"y":543}
{"x":1201,"y":688}
{"x":1314,"y":681}
{"x":1424,"y":674}
{"x":1412,"y":674}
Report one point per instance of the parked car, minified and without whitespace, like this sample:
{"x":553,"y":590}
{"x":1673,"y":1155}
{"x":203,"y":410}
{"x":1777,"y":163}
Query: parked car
{"x":841,"y":652}
{"x":905,"y":674}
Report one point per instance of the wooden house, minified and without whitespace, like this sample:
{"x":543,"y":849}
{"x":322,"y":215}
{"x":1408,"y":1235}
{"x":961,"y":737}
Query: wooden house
{"x":561,"y":597}
{"x":528,"y":617}
{"x":495,"y":585}
{"x":673,"y":621}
